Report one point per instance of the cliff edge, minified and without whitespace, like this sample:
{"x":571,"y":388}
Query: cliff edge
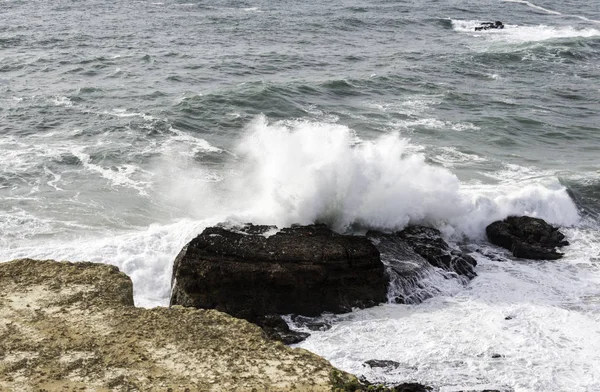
{"x":72,"y":326}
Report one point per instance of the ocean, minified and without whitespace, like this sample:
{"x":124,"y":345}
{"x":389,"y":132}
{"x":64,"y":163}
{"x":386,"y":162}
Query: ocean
{"x":127,"y":127}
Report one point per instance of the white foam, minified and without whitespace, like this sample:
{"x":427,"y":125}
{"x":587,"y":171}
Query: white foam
{"x":410,"y":107}
{"x":433,"y":123}
{"x":450,"y":156}
{"x":118,"y":176}
{"x":198,"y":143}
{"x":515,"y":34}
{"x":62,"y":101}
{"x":549,"y":343}
{"x":55,"y":179}
{"x":303,"y":172}
{"x":146,"y":254}
{"x":119,"y":112}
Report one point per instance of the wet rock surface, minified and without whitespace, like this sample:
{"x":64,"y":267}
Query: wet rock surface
{"x":527,"y":238}
{"x":410,"y":387}
{"x":277,"y":329}
{"x":312,"y":323}
{"x":404,"y":387}
{"x":409,"y":256}
{"x":73,"y":326}
{"x":382,"y":363}
{"x":429,"y":244}
{"x":303,"y":270}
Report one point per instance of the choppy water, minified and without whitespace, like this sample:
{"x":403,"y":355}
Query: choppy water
{"x":128,"y":126}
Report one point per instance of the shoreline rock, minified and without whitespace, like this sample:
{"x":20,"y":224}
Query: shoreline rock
{"x":409,"y":257}
{"x":302,"y":270}
{"x":73,"y":326}
{"x":527,"y":237}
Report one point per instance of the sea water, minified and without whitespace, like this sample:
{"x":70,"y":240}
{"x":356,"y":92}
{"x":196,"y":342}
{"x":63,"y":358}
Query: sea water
{"x":126,"y":127}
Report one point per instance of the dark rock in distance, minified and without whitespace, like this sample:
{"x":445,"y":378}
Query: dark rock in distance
{"x":527,"y":238}
{"x":304,"y":270}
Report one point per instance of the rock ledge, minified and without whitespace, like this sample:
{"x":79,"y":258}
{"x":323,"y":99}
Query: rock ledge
{"x":73,"y":326}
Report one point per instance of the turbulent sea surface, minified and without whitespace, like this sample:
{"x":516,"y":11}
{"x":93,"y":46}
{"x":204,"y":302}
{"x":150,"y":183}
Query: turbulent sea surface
{"x":126,"y":127}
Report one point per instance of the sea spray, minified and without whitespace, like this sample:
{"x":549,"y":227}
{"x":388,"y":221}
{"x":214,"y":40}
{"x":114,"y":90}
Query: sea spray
{"x":303,"y":172}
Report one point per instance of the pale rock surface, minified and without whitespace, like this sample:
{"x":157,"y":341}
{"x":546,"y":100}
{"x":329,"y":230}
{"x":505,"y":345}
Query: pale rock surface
{"x":72,"y":326}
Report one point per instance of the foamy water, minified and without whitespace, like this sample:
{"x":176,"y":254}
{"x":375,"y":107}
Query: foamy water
{"x":521,"y":325}
{"x":515,"y":34}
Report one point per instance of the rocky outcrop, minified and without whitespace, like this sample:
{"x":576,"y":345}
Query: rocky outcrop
{"x":429,"y":244}
{"x":409,"y":257}
{"x":303,"y":270}
{"x":527,"y":238}
{"x":73,"y":326}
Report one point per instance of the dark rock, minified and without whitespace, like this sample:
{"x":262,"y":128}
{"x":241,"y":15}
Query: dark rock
{"x":527,"y":238}
{"x":409,"y":256}
{"x":277,"y":329}
{"x":404,"y":387}
{"x":489,"y":25}
{"x":405,"y":268}
{"x":508,"y":318}
{"x":381,"y":363}
{"x":497,"y":356}
{"x":428,"y":243}
{"x":410,"y":387}
{"x":311,"y":323}
{"x":303,"y":269}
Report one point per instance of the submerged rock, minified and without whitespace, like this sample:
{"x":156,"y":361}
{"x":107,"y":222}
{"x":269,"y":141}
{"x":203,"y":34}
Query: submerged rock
{"x":381,"y":363}
{"x":304,"y":270}
{"x":73,"y":326}
{"x":527,"y":238}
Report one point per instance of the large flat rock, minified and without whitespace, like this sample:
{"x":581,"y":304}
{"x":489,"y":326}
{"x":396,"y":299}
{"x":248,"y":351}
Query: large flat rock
{"x":303,"y":269}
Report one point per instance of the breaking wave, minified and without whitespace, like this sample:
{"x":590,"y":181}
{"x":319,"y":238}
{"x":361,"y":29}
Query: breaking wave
{"x":303,"y":172}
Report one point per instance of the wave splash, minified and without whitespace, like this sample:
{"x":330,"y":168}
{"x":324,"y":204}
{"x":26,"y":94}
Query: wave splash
{"x":303,"y":172}
{"x":516,"y":34}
